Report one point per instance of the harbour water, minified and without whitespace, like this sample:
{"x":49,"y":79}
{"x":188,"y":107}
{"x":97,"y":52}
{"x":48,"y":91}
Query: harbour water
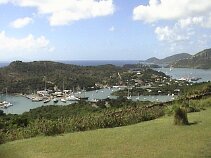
{"x":178,"y":73}
{"x":22,"y":104}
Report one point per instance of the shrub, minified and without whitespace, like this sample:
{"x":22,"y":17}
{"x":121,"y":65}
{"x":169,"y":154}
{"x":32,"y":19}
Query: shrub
{"x":180,"y":116}
{"x":2,"y":137}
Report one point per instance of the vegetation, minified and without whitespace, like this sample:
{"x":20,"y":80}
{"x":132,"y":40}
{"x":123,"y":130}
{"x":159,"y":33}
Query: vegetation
{"x":180,"y":116}
{"x":23,"y":77}
{"x":53,"y":120}
{"x":156,"y":138}
{"x":201,"y":60}
{"x":169,"y":60}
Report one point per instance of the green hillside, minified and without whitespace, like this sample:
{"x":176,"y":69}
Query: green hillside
{"x":30,"y":76}
{"x":169,"y":59}
{"x":157,"y":138}
{"x":201,"y":60}
{"x":27,"y":77}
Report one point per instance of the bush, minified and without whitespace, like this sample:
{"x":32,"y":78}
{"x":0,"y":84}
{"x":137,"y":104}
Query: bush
{"x":50,"y":128}
{"x":2,"y":137}
{"x":180,"y":116}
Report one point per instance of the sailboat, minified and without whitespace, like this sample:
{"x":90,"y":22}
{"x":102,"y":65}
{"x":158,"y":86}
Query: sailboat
{"x":6,"y":104}
{"x":83,"y":97}
{"x":128,"y":94}
{"x":138,"y":97}
{"x":63,"y":99}
{"x":72,"y":98}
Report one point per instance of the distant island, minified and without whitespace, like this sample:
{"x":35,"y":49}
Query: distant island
{"x":201,"y":60}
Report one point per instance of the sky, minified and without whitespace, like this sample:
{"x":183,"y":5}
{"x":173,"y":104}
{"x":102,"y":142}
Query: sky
{"x":102,"y":29}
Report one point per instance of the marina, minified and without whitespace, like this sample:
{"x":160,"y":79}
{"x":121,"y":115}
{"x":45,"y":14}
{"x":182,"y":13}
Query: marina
{"x":23,"y":104}
{"x":200,"y":75}
{"x":17,"y":104}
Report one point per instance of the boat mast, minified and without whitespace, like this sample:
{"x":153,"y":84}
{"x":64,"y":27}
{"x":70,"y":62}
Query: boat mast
{"x":45,"y":82}
{"x":6,"y":94}
{"x":63,"y":86}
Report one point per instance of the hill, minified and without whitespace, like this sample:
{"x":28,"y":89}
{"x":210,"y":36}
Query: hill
{"x":153,"y":60}
{"x":168,"y":60}
{"x":27,"y":77}
{"x":156,"y":138}
{"x":200,"y":60}
{"x":30,"y":76}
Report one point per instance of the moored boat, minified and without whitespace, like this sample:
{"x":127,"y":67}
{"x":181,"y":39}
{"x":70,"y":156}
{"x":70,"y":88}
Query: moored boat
{"x":55,"y":100}
{"x":72,"y":98}
{"x":46,"y":101}
{"x":63,"y":100}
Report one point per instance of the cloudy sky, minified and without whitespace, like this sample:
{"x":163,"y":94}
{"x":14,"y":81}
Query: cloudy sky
{"x":102,"y":29}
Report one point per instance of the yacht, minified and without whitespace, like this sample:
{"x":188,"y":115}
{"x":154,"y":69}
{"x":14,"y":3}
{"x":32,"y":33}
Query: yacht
{"x":63,"y":100}
{"x":55,"y":100}
{"x":72,"y":98}
{"x":46,"y":101}
{"x":5,"y":104}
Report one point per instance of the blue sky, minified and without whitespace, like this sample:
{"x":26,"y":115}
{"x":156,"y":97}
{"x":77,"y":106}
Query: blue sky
{"x":103,"y":29}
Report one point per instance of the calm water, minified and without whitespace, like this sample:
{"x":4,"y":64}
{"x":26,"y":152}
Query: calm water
{"x":22,"y":104}
{"x":178,"y":73}
{"x":2,"y":64}
{"x":100,"y":62}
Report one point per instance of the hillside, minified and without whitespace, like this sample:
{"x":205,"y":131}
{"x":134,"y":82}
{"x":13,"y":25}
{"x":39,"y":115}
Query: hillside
{"x":27,"y":77}
{"x":168,"y":60}
{"x":200,"y":60}
{"x":153,"y":60}
{"x":156,"y":138}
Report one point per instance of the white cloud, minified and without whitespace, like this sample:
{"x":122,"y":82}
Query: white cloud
{"x":171,"y":34}
{"x":191,"y":20}
{"x":112,"y":28}
{"x":171,"y":10}
{"x":67,"y":11}
{"x":21,"y":22}
{"x":182,"y":37}
{"x":200,"y":21}
{"x":4,"y":1}
{"x":26,"y":44}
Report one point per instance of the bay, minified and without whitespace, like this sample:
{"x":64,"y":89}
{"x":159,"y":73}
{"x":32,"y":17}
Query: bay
{"x":178,"y":73}
{"x":22,"y":104}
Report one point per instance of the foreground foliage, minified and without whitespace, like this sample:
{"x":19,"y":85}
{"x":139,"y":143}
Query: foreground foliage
{"x":150,"y":139}
{"x":82,"y":117}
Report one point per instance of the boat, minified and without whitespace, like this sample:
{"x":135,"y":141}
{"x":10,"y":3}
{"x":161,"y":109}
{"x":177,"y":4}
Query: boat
{"x":128,"y":94}
{"x":189,"y":79}
{"x":138,"y":97}
{"x":93,"y":100}
{"x":63,"y":100}
{"x":5,"y":104}
{"x":8,"y":104}
{"x":83,"y":98}
{"x":35,"y":99}
{"x":55,"y":100}
{"x":129,"y":97}
{"x":72,"y":98}
{"x":46,"y":101}
{"x":195,"y":78}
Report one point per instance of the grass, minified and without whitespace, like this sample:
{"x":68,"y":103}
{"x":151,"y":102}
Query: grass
{"x":156,"y":138}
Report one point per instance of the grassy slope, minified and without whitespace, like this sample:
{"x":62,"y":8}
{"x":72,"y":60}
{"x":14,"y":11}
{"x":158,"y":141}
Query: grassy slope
{"x":157,"y":138}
